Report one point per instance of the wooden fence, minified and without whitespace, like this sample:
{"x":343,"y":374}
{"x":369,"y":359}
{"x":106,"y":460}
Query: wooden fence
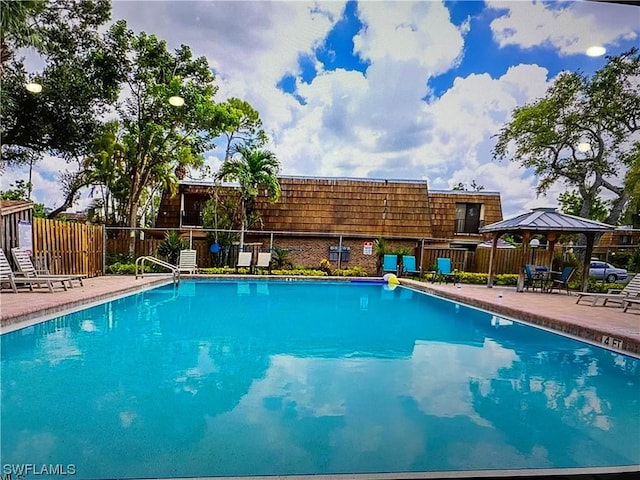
{"x":505,"y":260}
{"x":67,"y":247}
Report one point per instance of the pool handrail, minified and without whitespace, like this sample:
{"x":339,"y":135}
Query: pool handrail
{"x":174,"y":269}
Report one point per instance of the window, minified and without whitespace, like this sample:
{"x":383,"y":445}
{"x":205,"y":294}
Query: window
{"x":335,"y":251}
{"x":468,"y":217}
{"x":626,"y":239}
{"x":192,"y":214}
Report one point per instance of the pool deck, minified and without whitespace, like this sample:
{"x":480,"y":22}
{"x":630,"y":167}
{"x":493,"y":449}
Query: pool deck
{"x":556,"y":311}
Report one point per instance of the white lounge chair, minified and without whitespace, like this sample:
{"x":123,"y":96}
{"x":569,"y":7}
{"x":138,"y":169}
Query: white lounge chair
{"x":614,"y":295}
{"x":264,"y":261}
{"x":7,"y":276}
{"x":187,"y":261}
{"x":27,"y":269}
{"x":627,"y":302}
{"x":244,"y":260}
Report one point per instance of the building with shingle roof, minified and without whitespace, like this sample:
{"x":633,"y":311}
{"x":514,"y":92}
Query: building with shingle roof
{"x":319,"y":215}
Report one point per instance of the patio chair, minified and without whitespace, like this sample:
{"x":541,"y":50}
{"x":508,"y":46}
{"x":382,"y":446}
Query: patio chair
{"x":529,"y":278}
{"x":27,"y":269}
{"x":187,"y":262}
{"x":244,"y":260}
{"x":7,"y":276}
{"x":264,"y":261}
{"x":390,"y":264}
{"x":562,"y":282}
{"x":614,"y":296}
{"x":444,"y":271}
{"x":409,"y":265}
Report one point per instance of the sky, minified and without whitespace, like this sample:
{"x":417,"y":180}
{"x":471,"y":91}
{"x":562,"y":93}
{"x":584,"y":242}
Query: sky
{"x":386,"y":90}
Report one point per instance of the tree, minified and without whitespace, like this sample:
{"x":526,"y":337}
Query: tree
{"x":79,"y":81}
{"x":19,"y":191}
{"x":571,"y":203}
{"x":632,"y":185}
{"x":154,"y":137}
{"x":251,"y":168}
{"x":474,"y":187}
{"x":581,"y":133}
{"x":242,"y":125}
{"x":17,"y":27}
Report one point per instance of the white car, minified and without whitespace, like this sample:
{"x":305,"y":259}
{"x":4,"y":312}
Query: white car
{"x":606,"y":271}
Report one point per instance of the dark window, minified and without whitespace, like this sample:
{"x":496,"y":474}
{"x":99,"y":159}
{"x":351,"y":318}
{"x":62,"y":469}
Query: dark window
{"x":335,"y":251}
{"x":626,"y":240}
{"x":467,"y":217}
{"x":192,"y":214}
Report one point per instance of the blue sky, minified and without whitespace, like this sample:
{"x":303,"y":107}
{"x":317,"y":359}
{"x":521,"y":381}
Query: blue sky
{"x":395,"y":90}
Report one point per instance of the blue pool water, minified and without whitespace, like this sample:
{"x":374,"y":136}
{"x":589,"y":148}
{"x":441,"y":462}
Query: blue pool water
{"x":258,"y":378}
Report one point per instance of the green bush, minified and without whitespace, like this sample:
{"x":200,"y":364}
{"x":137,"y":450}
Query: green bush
{"x":597,"y":286}
{"x":170,"y":247}
{"x":222,"y":270}
{"x":300,"y":271}
{"x":127,"y":269}
{"x":356,"y":271}
{"x":633,"y":264}
{"x":502,"y":279}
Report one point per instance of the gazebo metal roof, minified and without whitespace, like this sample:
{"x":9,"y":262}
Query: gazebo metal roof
{"x":547,"y":220}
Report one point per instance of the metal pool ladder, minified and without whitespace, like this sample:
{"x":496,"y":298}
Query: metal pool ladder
{"x":174,"y":270}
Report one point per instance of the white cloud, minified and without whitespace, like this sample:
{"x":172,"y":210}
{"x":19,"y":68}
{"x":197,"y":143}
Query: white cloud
{"x":570,"y":28}
{"x":376,"y":123}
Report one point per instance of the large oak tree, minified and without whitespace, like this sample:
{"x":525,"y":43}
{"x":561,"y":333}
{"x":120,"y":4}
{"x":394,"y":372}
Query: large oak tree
{"x":583,"y":133}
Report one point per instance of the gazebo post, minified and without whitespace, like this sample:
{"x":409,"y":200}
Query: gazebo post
{"x":552,"y":237}
{"x":524,"y":256}
{"x":587,"y":260}
{"x":494,"y":245}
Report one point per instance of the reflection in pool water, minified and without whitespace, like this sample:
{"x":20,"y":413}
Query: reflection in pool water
{"x":259,"y":378}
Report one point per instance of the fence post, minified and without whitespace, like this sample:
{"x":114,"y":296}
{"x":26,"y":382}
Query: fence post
{"x":104,"y":249}
{"x":340,"y":253}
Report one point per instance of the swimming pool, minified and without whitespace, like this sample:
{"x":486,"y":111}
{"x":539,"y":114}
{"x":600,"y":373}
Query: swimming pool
{"x":271,"y":377}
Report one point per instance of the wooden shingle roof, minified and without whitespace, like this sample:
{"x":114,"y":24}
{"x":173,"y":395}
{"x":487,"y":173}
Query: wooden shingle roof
{"x":334,"y":205}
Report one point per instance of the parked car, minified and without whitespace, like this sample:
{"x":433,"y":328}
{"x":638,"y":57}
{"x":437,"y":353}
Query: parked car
{"x":606,"y":271}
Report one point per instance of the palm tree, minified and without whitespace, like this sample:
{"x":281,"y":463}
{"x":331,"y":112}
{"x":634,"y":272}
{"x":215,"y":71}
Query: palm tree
{"x":251,"y":168}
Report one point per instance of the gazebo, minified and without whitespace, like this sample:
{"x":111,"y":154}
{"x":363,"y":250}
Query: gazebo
{"x":548,"y":222}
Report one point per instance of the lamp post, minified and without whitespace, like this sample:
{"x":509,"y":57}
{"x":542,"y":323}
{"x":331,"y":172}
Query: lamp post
{"x":533,"y":244}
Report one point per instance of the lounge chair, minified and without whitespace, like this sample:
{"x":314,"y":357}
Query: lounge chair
{"x":444,"y":271}
{"x":27,"y":269}
{"x":409,"y":265}
{"x":390,"y":264}
{"x":187,"y":262}
{"x":562,"y":282}
{"x":614,"y":295}
{"x":7,"y":276}
{"x":627,"y":302}
{"x":244,"y":260}
{"x":264,"y":261}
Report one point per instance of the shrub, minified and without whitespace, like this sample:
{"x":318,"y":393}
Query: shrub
{"x":128,"y":269}
{"x":633,"y":263}
{"x":170,"y":247}
{"x":280,"y":258}
{"x":356,"y":271}
{"x":325,"y":266}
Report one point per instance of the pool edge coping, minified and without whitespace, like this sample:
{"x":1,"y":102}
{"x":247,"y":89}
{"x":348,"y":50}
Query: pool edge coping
{"x":630,"y":345}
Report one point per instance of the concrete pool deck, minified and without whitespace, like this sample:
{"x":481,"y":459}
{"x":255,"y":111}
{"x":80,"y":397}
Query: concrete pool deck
{"x":556,"y":311}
